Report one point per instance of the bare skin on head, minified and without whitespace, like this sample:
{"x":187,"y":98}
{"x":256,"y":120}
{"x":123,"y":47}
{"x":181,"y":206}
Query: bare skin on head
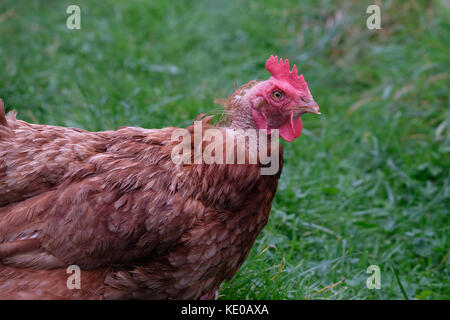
{"x":276,"y":103}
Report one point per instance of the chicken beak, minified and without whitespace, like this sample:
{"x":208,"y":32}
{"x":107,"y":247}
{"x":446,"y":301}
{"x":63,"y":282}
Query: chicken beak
{"x":309,"y":107}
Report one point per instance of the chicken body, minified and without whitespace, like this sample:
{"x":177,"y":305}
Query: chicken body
{"x":114,"y":204}
{"x":137,"y":224}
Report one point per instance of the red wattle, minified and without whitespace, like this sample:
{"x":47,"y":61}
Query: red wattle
{"x":291,"y":129}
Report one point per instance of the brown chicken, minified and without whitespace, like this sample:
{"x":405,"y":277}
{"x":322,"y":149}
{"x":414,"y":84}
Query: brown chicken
{"x":137,"y":223}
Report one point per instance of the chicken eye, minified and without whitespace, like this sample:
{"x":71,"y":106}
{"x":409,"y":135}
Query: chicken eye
{"x":277,"y":95}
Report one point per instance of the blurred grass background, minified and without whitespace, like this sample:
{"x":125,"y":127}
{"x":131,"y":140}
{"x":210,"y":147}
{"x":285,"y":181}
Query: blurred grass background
{"x":367,"y":182}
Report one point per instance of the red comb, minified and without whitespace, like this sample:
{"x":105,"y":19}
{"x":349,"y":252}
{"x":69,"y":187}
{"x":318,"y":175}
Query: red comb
{"x":280,"y":71}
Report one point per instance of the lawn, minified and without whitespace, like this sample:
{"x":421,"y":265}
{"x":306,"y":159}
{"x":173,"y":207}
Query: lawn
{"x":367,"y":183}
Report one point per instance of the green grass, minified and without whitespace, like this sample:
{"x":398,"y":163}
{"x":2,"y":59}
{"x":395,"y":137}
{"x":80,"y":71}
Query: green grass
{"x":367,"y":182}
